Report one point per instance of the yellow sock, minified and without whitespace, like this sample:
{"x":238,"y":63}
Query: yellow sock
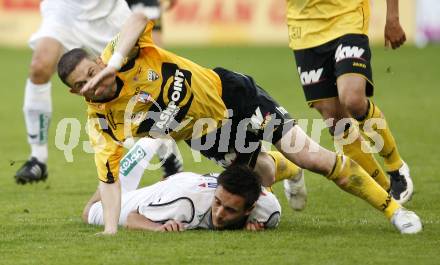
{"x":366,"y":161}
{"x":285,"y":169}
{"x":350,"y":177}
{"x":389,"y":152}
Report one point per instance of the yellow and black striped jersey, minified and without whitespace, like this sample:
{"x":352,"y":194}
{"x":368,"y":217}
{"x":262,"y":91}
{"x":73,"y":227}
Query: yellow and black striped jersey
{"x":315,"y":22}
{"x":157,"y":91}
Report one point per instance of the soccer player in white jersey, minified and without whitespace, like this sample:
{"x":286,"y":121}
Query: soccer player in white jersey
{"x":188,"y":200}
{"x":66,"y":25}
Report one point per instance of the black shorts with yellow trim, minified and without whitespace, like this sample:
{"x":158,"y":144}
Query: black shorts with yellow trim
{"x":320,"y":66}
{"x":253,"y":116}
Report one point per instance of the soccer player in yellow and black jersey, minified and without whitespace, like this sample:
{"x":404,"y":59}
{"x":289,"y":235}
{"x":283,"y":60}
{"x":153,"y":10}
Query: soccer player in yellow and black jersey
{"x":332,"y":53}
{"x":138,"y":89}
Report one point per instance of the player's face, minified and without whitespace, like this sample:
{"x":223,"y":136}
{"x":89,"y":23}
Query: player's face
{"x":83,"y":72}
{"x":227,"y":208}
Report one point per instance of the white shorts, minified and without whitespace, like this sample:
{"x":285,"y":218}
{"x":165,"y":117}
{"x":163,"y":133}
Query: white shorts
{"x":63,"y":25}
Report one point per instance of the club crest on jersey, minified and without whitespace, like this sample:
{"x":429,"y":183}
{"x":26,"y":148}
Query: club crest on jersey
{"x":144,"y":97}
{"x":211,"y":185}
{"x":152,"y":75}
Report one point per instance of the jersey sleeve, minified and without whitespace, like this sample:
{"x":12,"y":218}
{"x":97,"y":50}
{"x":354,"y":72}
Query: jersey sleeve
{"x":108,"y":151}
{"x":145,"y":40}
{"x":267,"y":210}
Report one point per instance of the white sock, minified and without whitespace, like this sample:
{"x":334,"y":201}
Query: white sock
{"x":134,"y":163}
{"x":37,"y":110}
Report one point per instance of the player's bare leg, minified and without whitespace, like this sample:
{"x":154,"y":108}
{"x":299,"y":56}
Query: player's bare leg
{"x":347,"y":175}
{"x":351,"y":89}
{"x":265,"y":166}
{"x":38,"y":108}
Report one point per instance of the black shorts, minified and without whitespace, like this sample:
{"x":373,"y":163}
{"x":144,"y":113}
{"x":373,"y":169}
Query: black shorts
{"x":320,"y":66}
{"x":253,"y":116}
{"x":150,"y":4}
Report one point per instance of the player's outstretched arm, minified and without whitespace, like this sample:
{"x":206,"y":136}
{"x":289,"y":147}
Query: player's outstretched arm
{"x":394,"y":33}
{"x":137,"y":221}
{"x":111,"y":205}
{"x":129,"y":35}
{"x":95,"y":198}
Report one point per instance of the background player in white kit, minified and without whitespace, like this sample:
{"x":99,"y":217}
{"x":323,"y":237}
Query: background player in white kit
{"x":154,"y":10}
{"x":188,"y":200}
{"x":66,"y":25}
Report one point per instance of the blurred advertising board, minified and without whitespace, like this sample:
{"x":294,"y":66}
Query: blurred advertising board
{"x":207,"y":22}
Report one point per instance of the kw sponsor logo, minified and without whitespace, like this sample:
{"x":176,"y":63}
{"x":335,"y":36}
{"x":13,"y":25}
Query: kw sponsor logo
{"x":343,"y":52}
{"x":167,"y":116}
{"x":310,"y":77}
{"x":131,"y":160}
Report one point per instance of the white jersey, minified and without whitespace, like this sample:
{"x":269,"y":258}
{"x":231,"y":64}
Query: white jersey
{"x":184,"y":197}
{"x":86,"y":9}
{"x":81,"y":23}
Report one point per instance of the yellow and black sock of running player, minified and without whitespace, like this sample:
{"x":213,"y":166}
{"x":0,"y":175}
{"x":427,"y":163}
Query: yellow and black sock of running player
{"x":350,"y":177}
{"x":364,"y":159}
{"x":285,"y":169}
{"x":389,"y":152}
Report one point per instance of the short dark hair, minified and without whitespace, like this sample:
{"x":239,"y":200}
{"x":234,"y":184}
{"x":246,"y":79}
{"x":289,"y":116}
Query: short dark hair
{"x":242,"y":181}
{"x":69,"y":61}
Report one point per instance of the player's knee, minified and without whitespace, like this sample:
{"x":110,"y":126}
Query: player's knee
{"x":326,"y":109}
{"x":40,"y":70}
{"x":329,"y":111}
{"x":85,"y":214}
{"x":352,"y":96}
{"x":356,"y":105}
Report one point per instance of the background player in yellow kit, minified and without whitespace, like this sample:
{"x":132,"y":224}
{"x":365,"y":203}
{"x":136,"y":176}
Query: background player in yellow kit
{"x":138,"y":89}
{"x":332,"y":53}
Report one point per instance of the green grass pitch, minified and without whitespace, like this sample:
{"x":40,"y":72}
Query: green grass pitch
{"x":40,"y":223}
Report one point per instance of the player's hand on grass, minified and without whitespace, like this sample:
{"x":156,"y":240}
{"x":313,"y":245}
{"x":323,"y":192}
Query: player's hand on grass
{"x":250,"y":226}
{"x":394,"y":34}
{"x":100,"y":82}
{"x":171,"y":226}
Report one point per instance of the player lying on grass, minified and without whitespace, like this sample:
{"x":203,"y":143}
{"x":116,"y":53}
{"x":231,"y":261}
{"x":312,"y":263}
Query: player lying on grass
{"x":233,"y":200}
{"x":138,"y":89}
